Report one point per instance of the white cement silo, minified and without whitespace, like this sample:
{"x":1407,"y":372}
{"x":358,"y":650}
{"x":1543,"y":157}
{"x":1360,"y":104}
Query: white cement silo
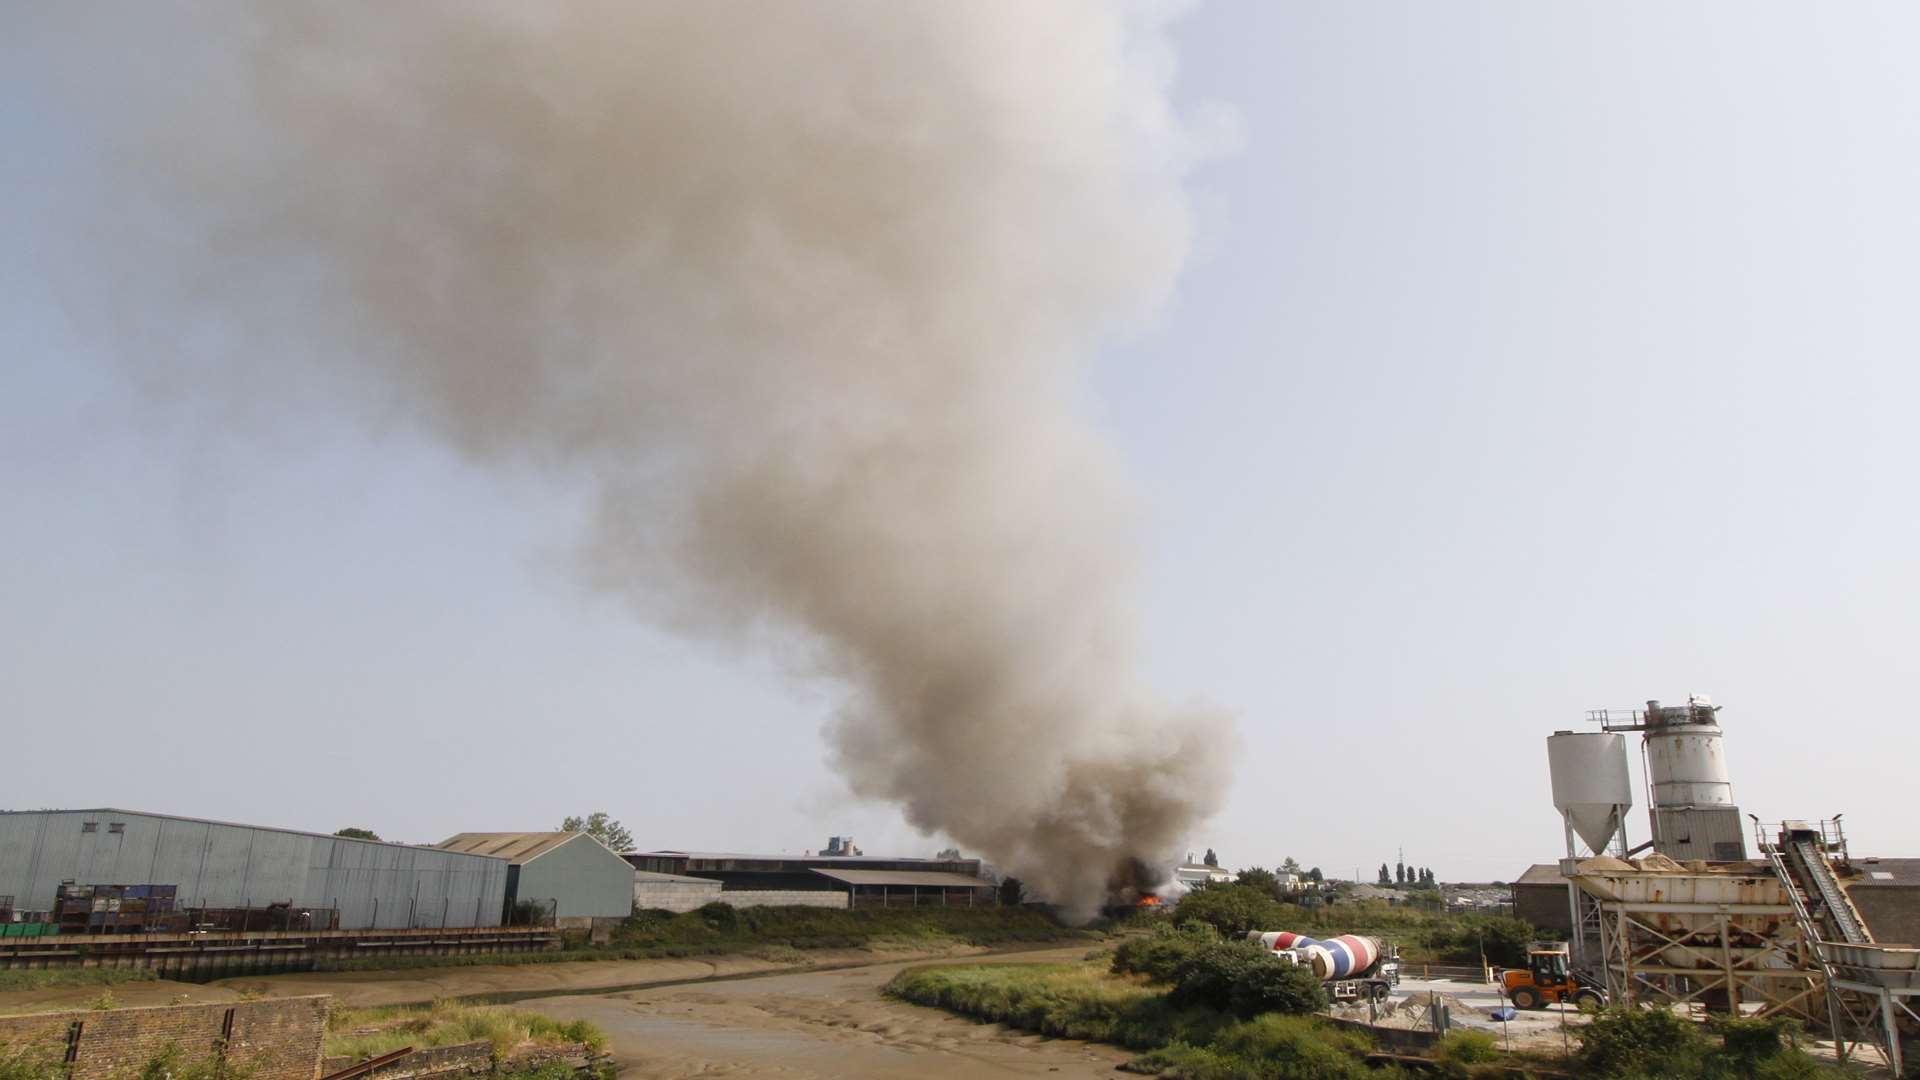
{"x":1591,"y":788}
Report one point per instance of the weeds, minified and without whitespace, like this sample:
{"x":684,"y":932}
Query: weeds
{"x":363,"y":1033}
{"x":1181,"y":1041}
{"x":57,"y":978}
{"x":28,"y":1063}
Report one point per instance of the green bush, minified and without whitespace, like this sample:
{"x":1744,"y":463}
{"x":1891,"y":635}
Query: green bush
{"x":1193,"y":1042}
{"x":1462,"y":1048}
{"x":1158,"y":954}
{"x":1241,"y":978}
{"x":1625,"y":1043}
{"x":1233,"y":910}
{"x":1273,"y":987}
{"x":720,"y":916}
{"x":1628,"y":1042}
{"x":1762,"y":1047}
{"x":1269,"y":1048}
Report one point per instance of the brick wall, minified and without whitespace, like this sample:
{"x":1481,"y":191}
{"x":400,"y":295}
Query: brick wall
{"x":270,"y":1040}
{"x":469,"y":1058}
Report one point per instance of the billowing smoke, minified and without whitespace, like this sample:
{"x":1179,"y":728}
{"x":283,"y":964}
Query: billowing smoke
{"x":803,"y":290}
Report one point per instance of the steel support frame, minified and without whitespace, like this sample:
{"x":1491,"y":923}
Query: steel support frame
{"x":1874,"y":1007}
{"x":1775,"y":978}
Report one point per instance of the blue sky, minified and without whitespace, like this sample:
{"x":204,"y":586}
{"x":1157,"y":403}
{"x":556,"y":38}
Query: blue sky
{"x":1531,"y":358}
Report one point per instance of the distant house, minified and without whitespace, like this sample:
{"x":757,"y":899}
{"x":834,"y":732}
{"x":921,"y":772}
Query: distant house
{"x":1196,"y":874}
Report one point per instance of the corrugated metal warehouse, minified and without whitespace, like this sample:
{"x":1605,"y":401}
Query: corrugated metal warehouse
{"x":370,"y":885}
{"x":570,"y":875}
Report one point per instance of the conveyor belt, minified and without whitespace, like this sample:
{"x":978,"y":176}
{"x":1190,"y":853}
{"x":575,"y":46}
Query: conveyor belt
{"x":1817,"y":874}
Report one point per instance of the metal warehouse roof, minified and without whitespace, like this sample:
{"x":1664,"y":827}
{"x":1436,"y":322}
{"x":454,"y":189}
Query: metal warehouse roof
{"x":515,"y":847}
{"x":223,"y":824}
{"x":1876,"y":873}
{"x":1542,"y":874}
{"x":854,"y":860}
{"x":928,"y":878}
{"x":672,"y":879}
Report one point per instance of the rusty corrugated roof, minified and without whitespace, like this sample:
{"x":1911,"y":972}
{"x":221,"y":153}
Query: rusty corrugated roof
{"x":515,"y":847}
{"x":928,"y":878}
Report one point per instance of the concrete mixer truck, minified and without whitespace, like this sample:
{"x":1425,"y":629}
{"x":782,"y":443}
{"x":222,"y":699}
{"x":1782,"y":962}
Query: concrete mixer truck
{"x":1350,"y":967}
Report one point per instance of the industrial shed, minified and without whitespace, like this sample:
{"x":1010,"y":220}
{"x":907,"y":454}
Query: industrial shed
{"x":913,"y":888}
{"x":828,"y":880}
{"x":337,"y":882}
{"x":1540,"y":897}
{"x":569,"y":875}
{"x":1887,"y":894}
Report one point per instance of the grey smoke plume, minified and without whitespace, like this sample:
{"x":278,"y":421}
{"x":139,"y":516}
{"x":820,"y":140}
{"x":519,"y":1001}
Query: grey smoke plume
{"x":804,"y":289}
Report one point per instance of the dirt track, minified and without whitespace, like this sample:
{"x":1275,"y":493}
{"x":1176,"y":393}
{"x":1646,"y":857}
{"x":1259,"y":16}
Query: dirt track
{"x":818,"y":1024}
{"x":517,"y":981}
{"x":762,"y":1018}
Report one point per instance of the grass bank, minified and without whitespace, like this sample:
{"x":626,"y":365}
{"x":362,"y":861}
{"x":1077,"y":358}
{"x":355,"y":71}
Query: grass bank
{"x":364,"y":1033}
{"x":60,"y":978}
{"x":1081,"y":1001}
{"x":1191,"y":1042}
{"x":778,"y":934}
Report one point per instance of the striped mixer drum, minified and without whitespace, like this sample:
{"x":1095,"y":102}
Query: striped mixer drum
{"x":1343,"y":957}
{"x":1281,"y":940}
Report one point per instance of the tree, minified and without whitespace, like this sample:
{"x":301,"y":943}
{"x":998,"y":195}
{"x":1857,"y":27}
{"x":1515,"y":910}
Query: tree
{"x":1211,"y":859}
{"x":602,"y":828}
{"x":1231,"y":909}
{"x":1261,"y":879}
{"x":354,"y":832}
{"x":1289,"y":866}
{"x":1399,"y":873}
{"x":1013,"y":892}
{"x":951,"y":854}
{"x":1386,"y":875}
{"x":1314,"y":875}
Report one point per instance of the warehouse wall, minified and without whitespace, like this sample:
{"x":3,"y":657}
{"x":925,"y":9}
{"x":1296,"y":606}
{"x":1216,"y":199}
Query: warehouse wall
{"x":373,"y":885}
{"x":582,"y":876}
{"x":1892,"y":912}
{"x":1545,"y":906}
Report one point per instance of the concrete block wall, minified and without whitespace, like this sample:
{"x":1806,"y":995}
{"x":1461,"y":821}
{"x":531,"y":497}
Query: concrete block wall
{"x":279,"y":1039}
{"x":783,"y":898}
{"x":674,"y":895}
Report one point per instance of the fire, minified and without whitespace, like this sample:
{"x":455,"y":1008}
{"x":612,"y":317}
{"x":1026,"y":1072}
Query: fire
{"x":1148,"y":901}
